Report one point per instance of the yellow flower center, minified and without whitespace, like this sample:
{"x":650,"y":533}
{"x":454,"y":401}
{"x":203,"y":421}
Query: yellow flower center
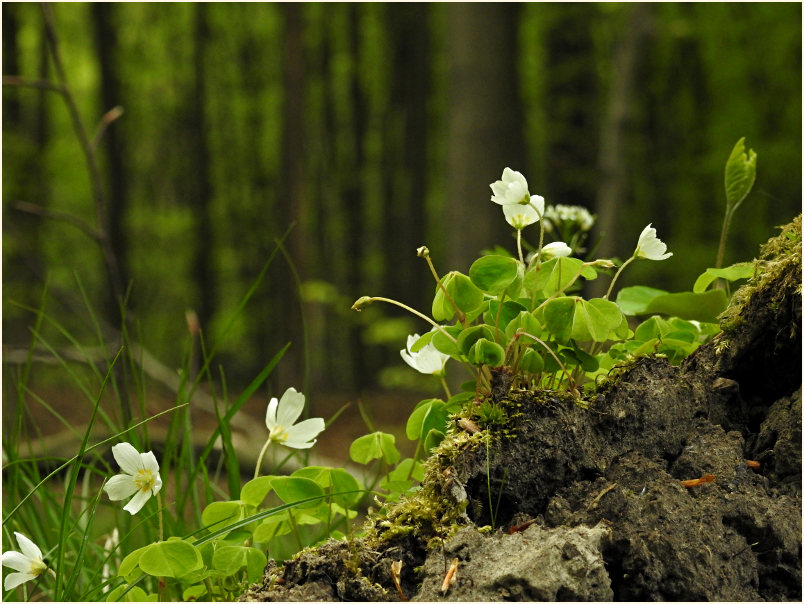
{"x":144,"y":480}
{"x":278,"y":434}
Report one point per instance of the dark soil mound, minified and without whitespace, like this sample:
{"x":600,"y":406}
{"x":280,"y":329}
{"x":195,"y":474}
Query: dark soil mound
{"x":589,"y":503}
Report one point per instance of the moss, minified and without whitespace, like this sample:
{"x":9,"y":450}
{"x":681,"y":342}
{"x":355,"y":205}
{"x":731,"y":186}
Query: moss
{"x":779,"y":262}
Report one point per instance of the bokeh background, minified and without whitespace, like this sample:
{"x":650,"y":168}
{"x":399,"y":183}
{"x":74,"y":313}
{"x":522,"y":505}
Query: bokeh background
{"x":370,"y":129}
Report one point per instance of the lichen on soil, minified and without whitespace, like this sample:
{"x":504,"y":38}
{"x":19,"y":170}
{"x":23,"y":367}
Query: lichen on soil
{"x":586,"y":502}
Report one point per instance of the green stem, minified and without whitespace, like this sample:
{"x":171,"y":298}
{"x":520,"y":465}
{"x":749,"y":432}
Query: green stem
{"x":563,"y":289}
{"x":519,"y":245}
{"x":458,"y":311}
{"x":616,"y":275}
{"x":259,"y":458}
{"x":446,"y":388}
{"x":410,"y":310}
{"x":724,"y":233}
{"x":296,"y":532}
{"x":161,"y":521}
{"x":553,"y":354}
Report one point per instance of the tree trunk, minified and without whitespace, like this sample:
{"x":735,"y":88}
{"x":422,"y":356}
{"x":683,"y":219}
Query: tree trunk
{"x":406,"y":159}
{"x":103,"y":21}
{"x":201,"y":186}
{"x":484,"y":130}
{"x":612,"y":160}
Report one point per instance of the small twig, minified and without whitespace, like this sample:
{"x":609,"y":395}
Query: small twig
{"x":81,"y":225}
{"x":13,"y":80}
{"x":599,"y":496}
{"x":108,"y":118}
{"x":754,"y":465}
{"x":89,"y":155}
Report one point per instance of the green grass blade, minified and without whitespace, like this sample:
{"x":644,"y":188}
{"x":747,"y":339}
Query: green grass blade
{"x":68,"y":495}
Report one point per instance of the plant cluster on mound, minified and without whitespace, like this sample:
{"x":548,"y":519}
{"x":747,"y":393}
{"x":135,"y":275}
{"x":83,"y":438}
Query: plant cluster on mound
{"x":567,"y":424}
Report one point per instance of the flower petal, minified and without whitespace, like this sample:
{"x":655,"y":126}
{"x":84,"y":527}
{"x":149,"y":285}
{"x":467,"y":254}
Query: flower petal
{"x":136,"y":503}
{"x":409,"y":359}
{"x":127,"y":458}
{"x":28,"y":547}
{"x":17,"y":561}
{"x":157,"y":484}
{"x":120,"y":487}
{"x":16,"y":579}
{"x":148,"y":461}
{"x":270,"y":415}
{"x":291,"y":406}
{"x":304,"y":431}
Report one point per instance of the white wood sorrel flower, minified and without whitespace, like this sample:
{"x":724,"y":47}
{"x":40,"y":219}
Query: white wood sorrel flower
{"x":428,"y":360}
{"x":650,"y":246}
{"x":511,"y":190}
{"x":557,"y":249}
{"x":280,"y":420}
{"x":28,"y":562}
{"x":520,"y":216}
{"x":141,"y":477}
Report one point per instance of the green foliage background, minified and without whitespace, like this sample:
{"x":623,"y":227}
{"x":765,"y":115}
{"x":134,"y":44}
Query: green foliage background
{"x":216,"y":163}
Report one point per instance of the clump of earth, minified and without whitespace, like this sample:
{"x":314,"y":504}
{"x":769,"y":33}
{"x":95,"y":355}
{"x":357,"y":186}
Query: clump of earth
{"x":667,"y":483}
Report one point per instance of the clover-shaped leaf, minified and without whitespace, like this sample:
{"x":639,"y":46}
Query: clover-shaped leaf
{"x":494,"y":273}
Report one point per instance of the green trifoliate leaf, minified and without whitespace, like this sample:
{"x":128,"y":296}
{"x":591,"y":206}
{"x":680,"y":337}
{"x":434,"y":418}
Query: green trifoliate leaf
{"x":577,"y":319}
{"x":556,"y":274}
{"x":291,"y":489}
{"x":470,"y":335}
{"x":429,"y":414}
{"x":254,"y":491}
{"x":501,"y":317}
{"x":494,"y":273}
{"x":634,"y":300}
{"x":486,"y":352}
{"x":172,"y":558}
{"x":231,"y":558}
{"x":433,"y":439}
{"x":464,"y":293}
{"x":374,"y":446}
{"x":705,"y":306}
{"x":220,"y":513}
{"x":335,"y":481}
{"x":741,"y":171}
{"x":444,"y":343}
{"x":466,"y":296}
{"x":531,"y":361}
{"x":528,"y":323}
{"x":741,"y":270}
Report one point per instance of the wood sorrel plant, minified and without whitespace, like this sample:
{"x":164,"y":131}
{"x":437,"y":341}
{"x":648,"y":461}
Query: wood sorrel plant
{"x":523,"y":317}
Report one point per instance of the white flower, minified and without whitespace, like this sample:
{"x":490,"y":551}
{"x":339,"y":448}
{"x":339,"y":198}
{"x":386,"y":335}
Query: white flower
{"x":280,"y":417}
{"x":511,"y":190}
{"x":29,"y":563}
{"x":141,"y":477}
{"x":650,"y":246}
{"x":520,"y":216}
{"x":556,"y":249}
{"x":428,"y":360}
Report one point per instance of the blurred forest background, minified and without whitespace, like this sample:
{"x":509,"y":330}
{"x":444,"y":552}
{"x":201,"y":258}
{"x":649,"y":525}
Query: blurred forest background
{"x":373,"y":129}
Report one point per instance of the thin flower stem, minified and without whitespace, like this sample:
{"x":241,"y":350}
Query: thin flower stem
{"x":414,"y":311}
{"x":617,"y":274}
{"x":519,"y":245}
{"x":541,"y":238}
{"x":563,"y":289}
{"x":446,"y":388}
{"x":460,"y":313}
{"x":553,"y":354}
{"x":161,"y":513}
{"x":259,"y":458}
